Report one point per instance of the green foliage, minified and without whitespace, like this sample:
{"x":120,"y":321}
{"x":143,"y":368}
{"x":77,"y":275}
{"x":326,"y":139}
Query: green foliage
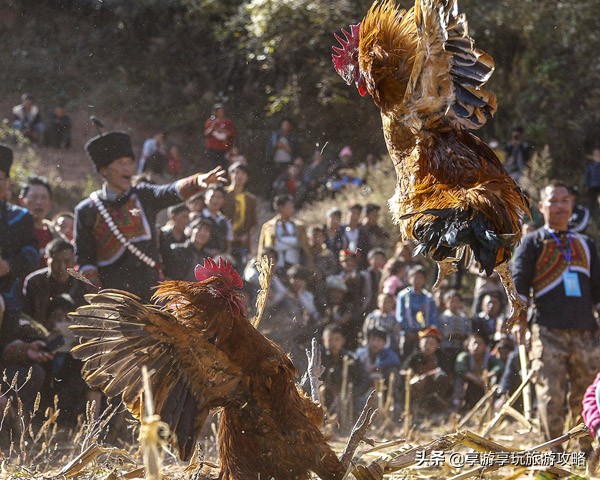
{"x":539,"y":172}
{"x":166,"y":61}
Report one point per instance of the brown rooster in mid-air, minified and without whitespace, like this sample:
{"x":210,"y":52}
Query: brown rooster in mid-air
{"x":453,"y":194}
{"x":206,"y":354}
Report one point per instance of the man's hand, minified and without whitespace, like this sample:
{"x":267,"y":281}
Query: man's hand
{"x":216,"y":175}
{"x":37,"y":354}
{"x":474,"y":378}
{"x":4,"y":267}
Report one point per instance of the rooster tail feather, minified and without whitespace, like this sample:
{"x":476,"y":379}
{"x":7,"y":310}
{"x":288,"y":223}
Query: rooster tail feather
{"x":442,"y":237}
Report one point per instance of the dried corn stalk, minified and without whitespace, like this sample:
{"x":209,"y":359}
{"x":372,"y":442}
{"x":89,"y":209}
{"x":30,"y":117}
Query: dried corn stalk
{"x":153,"y":434}
{"x":401,"y":459}
{"x":264,"y":268}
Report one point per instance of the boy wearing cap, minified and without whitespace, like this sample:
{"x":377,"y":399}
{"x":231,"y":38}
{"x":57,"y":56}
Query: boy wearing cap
{"x":19,"y":254}
{"x":115,"y":226}
{"x":430,"y":385}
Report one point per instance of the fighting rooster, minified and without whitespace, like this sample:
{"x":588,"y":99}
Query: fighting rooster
{"x":206,"y":354}
{"x":453,"y":196}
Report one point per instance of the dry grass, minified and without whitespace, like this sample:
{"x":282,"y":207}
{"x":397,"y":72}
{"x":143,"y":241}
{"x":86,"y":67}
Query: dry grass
{"x":39,"y":448}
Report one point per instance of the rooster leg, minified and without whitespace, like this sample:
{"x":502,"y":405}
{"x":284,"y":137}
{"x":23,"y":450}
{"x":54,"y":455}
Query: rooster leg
{"x":445,"y":267}
{"x":517,"y":305}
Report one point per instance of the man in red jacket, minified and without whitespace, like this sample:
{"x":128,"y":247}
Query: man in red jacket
{"x":219,"y":133}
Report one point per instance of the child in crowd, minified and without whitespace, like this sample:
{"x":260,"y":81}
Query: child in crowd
{"x":340,"y":390}
{"x":393,"y":277}
{"x":384,"y":318}
{"x":455,"y":327}
{"x":415,"y":310}
{"x":336,"y":310}
{"x":430,"y":387}
{"x":490,"y":321}
{"x":66,"y":381}
{"x":183,"y":257}
{"x":474,"y":370}
{"x":324,"y":261}
{"x":378,"y":360}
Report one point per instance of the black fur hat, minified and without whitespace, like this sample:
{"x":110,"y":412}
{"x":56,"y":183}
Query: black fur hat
{"x":6,"y":158}
{"x":108,"y":147}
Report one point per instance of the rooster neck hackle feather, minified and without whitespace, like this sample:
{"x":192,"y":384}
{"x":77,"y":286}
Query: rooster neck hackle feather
{"x":386,"y":52}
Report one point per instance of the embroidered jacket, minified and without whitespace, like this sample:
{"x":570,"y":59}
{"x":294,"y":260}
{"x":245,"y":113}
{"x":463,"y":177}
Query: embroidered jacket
{"x":134,"y":214}
{"x":538,"y":267}
{"x":19,"y":248}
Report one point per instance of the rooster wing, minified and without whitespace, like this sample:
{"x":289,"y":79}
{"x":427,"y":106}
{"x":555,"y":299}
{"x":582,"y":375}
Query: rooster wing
{"x":421,"y":66}
{"x":449,"y":72}
{"x":191,"y":375}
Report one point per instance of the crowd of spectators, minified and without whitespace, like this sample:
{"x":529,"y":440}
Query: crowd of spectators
{"x":55,"y":132}
{"x":342,"y":280}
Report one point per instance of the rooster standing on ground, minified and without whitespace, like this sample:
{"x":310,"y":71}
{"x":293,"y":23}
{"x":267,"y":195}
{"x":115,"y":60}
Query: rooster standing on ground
{"x":423,"y":72}
{"x":206,"y":354}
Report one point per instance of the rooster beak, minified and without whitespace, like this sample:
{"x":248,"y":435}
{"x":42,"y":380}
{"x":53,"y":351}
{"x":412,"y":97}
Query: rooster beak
{"x":361,"y":85}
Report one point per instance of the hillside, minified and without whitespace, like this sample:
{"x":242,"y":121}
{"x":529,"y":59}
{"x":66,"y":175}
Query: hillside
{"x":140,"y":64}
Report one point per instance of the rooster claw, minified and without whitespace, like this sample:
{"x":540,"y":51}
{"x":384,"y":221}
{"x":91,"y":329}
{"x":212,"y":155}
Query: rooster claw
{"x":518,"y":307}
{"x":445,"y":267}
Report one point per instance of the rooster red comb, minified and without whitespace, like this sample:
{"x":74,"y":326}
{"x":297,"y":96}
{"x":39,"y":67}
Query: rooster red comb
{"x":222,"y":269}
{"x":345,"y":59}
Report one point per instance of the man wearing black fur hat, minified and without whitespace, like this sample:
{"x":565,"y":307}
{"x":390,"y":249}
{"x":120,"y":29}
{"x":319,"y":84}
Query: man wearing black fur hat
{"x":115,"y":226}
{"x":19,"y":254}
